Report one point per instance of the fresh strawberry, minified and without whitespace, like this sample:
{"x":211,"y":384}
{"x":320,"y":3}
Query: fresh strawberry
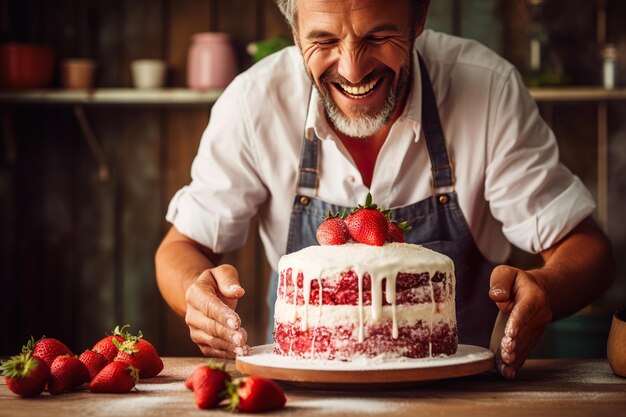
{"x":46,"y":348}
{"x":67,"y":373}
{"x":396,"y":231}
{"x":115,"y":377}
{"x":254,"y":394}
{"x":106,"y":347}
{"x":368,"y":224}
{"x":141,"y":354}
{"x":333,"y":230}
{"x":94,"y":362}
{"x":208,"y":382}
{"x":25,"y":375}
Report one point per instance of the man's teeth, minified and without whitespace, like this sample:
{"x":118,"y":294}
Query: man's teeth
{"x":356,"y":91}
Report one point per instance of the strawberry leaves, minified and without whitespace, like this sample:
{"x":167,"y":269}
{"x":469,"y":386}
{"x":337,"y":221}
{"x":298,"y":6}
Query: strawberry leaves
{"x":25,"y":375}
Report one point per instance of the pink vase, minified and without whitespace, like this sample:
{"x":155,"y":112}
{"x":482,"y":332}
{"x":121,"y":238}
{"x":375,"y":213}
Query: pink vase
{"x":211,"y":61}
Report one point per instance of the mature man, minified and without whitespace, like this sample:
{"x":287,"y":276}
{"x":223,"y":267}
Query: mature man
{"x":438,"y":128}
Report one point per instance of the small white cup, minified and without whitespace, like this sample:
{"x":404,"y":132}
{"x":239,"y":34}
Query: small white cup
{"x":148,"y":73}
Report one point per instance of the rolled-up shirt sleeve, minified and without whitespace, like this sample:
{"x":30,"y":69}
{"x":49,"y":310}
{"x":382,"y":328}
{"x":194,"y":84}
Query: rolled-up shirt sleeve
{"x":226,"y":187}
{"x":535,"y":197}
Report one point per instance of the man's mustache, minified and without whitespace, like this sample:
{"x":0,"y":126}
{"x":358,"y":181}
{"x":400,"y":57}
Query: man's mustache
{"x":334,"y":77}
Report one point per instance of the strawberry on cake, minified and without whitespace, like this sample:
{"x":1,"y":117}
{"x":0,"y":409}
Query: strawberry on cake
{"x":365,"y":294}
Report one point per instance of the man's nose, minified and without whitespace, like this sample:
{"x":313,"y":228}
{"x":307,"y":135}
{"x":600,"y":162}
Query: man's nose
{"x":353,"y":64}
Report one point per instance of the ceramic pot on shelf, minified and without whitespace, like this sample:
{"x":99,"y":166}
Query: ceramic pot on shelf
{"x":77,"y":73}
{"x":211,"y":61}
{"x":24,"y":65}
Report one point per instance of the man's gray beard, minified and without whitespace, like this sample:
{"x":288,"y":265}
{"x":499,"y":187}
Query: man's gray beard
{"x":361,"y":126}
{"x":365,"y":125}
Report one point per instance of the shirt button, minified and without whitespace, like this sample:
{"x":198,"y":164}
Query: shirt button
{"x":304,"y":200}
{"x":443,"y":199}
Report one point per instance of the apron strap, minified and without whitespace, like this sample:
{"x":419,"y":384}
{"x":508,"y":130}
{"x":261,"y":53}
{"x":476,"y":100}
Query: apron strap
{"x":308,"y":170}
{"x":443,"y":179}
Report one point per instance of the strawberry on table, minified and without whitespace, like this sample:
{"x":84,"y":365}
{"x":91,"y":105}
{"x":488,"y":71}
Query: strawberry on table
{"x":25,"y":375}
{"x":189,"y":381}
{"x":94,"y":362}
{"x":141,"y":354}
{"x":46,"y":348}
{"x":106,"y":347}
{"x":208,"y":382}
{"x":115,"y":377}
{"x":66,"y":373}
{"x":368,"y":224}
{"x":254,"y":394}
{"x":333,"y":230}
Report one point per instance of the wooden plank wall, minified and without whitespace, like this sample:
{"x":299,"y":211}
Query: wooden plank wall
{"x":76,"y":252}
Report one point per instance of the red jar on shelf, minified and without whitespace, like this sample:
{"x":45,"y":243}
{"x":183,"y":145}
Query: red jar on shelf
{"x":24,"y":65}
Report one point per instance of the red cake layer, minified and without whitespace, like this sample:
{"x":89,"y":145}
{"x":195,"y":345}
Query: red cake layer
{"x":341,"y":343}
{"x":410,"y":289}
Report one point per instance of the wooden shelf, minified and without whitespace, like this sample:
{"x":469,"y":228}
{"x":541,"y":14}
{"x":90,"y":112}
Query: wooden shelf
{"x":183,"y":96}
{"x":112,"y":96}
{"x":577,"y":94}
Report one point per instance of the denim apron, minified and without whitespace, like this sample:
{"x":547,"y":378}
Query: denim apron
{"x":437,"y":223}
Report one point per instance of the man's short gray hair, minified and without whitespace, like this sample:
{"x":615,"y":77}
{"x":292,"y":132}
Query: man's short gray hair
{"x":289,"y":9}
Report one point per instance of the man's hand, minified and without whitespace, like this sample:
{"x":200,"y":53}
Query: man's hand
{"x":213,"y":324}
{"x":521,"y":295}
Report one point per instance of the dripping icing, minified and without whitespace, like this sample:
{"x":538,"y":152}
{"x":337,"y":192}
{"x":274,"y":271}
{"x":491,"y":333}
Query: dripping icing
{"x":432,"y":315}
{"x":318,"y":262}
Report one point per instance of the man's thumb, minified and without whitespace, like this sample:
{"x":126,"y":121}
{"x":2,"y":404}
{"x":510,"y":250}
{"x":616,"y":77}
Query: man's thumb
{"x":501,"y":283}
{"x":227,"y":279}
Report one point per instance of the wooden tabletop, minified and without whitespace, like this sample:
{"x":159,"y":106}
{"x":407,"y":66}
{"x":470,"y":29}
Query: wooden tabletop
{"x":544,"y":387}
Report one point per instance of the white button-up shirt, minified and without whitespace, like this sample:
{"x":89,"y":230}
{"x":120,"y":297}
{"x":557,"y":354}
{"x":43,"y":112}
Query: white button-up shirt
{"x":510,"y":183}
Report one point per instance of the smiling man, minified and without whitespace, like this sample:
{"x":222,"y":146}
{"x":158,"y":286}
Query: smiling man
{"x":359,"y":58}
{"x":438,"y":128}
{"x":361,"y":71}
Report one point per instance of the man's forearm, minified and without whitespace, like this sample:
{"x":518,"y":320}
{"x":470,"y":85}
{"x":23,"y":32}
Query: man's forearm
{"x":178,"y":263}
{"x":577,"y":270}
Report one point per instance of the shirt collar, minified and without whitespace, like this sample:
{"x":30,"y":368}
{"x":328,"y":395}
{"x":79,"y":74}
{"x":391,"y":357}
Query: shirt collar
{"x":316,"y":123}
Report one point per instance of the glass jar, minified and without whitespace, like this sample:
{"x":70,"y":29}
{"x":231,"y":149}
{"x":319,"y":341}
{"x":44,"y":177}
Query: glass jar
{"x":211,"y":62}
{"x":609,"y":64}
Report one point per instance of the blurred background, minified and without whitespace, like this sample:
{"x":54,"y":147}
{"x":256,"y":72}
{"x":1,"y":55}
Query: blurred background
{"x":91,"y":151}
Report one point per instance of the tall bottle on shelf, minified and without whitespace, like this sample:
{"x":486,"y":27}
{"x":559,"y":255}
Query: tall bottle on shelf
{"x":609,"y":66}
{"x":543,"y":68}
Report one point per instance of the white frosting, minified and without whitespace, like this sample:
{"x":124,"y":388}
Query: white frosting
{"x":381,"y":263}
{"x":377,"y":260}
